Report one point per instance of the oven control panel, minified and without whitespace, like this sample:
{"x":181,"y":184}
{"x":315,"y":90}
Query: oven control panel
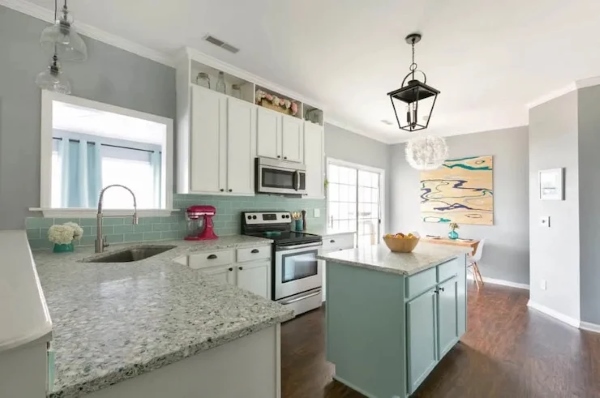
{"x":254,"y":218}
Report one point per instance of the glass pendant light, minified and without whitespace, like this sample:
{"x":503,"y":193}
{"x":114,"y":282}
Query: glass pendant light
{"x":52,"y":78}
{"x":62,"y":39}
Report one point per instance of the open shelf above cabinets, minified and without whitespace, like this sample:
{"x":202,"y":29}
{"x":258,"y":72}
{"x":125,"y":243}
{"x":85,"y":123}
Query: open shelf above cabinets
{"x":312,"y":114}
{"x":207,"y":76}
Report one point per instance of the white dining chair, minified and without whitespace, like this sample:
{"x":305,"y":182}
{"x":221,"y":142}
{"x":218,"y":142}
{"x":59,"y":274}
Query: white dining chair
{"x":472,"y":261}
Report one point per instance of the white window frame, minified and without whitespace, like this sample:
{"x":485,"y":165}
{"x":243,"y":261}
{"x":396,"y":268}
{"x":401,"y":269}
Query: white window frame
{"x":344,"y":163}
{"x":48,"y":97}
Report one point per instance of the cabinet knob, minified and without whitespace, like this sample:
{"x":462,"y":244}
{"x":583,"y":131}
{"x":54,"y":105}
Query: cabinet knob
{"x":211,"y":257}
{"x":278,"y":157}
{"x":285,"y":157}
{"x":441,"y":289}
{"x":230,"y":269}
{"x":254,"y":251}
{"x":231,"y":190}
{"x":222,"y":189}
{"x":241,"y":268}
{"x":332,"y":241}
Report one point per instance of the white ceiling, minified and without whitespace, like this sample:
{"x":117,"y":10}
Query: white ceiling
{"x":489,"y":58}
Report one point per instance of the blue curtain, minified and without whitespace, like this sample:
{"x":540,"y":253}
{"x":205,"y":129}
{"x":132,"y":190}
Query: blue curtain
{"x":81,"y":172}
{"x":156,"y":161}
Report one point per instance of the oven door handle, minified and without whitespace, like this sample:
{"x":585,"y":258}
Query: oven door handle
{"x":305,"y":296}
{"x":279,"y":248}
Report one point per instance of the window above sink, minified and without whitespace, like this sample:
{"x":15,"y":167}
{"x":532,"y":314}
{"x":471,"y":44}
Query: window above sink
{"x":87,"y":145}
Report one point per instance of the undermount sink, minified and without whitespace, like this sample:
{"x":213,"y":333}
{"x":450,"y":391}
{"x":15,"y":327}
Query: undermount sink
{"x":130,"y":255}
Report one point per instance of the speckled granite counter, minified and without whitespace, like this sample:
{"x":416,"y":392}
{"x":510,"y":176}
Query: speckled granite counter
{"x":380,"y":258}
{"x":116,"y":321}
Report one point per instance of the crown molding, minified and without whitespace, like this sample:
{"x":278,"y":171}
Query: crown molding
{"x":552,"y":95}
{"x":46,"y":15}
{"x":589,"y":82}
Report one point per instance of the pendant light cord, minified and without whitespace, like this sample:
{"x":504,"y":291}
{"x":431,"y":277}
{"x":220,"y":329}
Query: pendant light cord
{"x":413,"y":66}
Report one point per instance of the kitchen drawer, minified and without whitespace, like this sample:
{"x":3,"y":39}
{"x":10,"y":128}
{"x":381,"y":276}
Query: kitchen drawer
{"x":338,"y":242}
{"x":210,"y":259}
{"x":253,"y":253}
{"x":447,"y":270}
{"x":418,"y":283}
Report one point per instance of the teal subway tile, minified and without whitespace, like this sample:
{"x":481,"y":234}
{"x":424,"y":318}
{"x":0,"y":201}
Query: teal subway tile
{"x":106,"y":230}
{"x":152,"y":236}
{"x":170,"y":219}
{"x":39,"y":222}
{"x":114,"y":238}
{"x":44,"y":233}
{"x":113,"y":221}
{"x":161,"y":227}
{"x":87,"y":241}
{"x":40,"y":244}
{"x":177,"y":226}
{"x":169,"y":235}
{"x":142,"y":228}
{"x":149,"y":220}
{"x":34,"y":233}
{"x":123,"y":229}
{"x":88,"y":230}
{"x":88,"y":221}
{"x":133,"y":237}
{"x":66,"y":220}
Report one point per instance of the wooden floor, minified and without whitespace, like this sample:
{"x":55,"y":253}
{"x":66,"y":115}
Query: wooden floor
{"x":508,"y":351}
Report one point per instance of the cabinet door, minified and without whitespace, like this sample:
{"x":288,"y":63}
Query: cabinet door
{"x":292,"y":136}
{"x":223,"y":274}
{"x":208,"y":131}
{"x":314,"y":160}
{"x":421,"y":338}
{"x":255,"y":277}
{"x":447,"y":316}
{"x":268,"y":133}
{"x":241,"y":132}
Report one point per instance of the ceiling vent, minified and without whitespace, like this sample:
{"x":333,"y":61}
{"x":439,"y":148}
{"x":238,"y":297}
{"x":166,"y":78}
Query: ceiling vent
{"x":221,"y":43}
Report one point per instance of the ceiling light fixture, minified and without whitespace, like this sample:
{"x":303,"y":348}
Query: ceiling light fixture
{"x":413,"y":93}
{"x":52,"y":78}
{"x":426,"y":153}
{"x":62,"y":39}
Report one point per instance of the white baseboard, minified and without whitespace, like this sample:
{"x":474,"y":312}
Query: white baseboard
{"x":554,"y":314}
{"x":590,"y":327}
{"x":501,"y":282}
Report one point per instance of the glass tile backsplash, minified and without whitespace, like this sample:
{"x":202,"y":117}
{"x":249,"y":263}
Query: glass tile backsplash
{"x":227,"y":221}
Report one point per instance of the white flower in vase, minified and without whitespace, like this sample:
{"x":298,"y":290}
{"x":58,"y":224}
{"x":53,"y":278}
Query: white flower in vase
{"x":77,"y":230}
{"x":61,"y":234}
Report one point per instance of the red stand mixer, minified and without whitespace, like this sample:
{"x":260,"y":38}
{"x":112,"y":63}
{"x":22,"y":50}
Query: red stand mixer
{"x":197,"y":214}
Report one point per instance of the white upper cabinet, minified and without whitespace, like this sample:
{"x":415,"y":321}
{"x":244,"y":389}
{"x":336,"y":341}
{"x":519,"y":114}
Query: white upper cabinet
{"x":241,"y":147}
{"x":269,"y":133}
{"x":292,"y":139}
{"x":314,"y":159}
{"x":208,"y":128}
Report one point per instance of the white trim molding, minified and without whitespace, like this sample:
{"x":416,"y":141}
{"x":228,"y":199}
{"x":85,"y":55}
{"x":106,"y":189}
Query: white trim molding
{"x":590,"y":327}
{"x":502,"y":282}
{"x":91,"y":213}
{"x":554,"y":314}
{"x":47,"y":15}
{"x":576,"y":85}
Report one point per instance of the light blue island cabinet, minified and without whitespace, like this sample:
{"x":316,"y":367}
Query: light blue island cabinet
{"x":391,"y":317}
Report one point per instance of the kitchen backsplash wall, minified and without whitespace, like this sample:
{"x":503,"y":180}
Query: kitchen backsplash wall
{"x":227,"y":220}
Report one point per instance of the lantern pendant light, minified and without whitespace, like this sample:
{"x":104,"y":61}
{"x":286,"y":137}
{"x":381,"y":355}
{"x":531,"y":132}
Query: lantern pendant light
{"x":62,"y":39}
{"x":412,"y":95}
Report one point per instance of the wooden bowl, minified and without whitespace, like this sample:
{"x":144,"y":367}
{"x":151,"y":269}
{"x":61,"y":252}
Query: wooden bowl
{"x":404,"y":245}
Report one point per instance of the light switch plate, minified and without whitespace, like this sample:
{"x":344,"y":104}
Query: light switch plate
{"x":317,"y":213}
{"x":545,"y":221}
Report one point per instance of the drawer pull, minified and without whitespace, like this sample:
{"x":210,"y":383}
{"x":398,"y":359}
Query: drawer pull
{"x":241,"y":268}
{"x":211,"y":257}
{"x":254,"y":251}
{"x":230,"y":269}
{"x":332,"y":241}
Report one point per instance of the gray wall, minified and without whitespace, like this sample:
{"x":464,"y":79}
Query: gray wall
{"x":506,"y":251}
{"x":342,"y":144}
{"x":110,"y":75}
{"x":589,"y":199}
{"x":553,"y":143}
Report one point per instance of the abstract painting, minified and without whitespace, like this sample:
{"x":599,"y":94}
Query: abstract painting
{"x":460,"y":191}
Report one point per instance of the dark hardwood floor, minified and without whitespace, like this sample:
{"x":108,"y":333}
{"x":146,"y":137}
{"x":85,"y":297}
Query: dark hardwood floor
{"x":508,"y":351}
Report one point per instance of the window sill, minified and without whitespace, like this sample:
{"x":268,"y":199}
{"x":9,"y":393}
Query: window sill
{"x":91,"y":213}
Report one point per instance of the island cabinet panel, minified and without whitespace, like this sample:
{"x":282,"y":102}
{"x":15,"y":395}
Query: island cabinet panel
{"x":447,"y":321}
{"x":386,"y":331}
{"x":421,"y":339}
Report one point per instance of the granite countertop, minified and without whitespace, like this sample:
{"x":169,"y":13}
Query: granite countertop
{"x":114,"y":321}
{"x":380,"y":258}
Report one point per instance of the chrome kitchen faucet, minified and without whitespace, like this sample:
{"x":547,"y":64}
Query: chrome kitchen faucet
{"x":101,"y":242}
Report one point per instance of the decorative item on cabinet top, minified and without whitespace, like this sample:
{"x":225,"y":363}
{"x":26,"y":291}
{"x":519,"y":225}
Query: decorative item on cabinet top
{"x":276,"y":102}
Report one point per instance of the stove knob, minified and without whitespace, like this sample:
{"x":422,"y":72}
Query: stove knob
{"x":254,"y":217}
{"x":249,"y":217}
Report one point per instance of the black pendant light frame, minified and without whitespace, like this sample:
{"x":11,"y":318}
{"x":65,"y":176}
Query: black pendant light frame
{"x":413,"y":91}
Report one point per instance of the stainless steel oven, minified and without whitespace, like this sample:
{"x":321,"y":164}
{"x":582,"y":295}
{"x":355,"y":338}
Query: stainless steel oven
{"x":297,"y":270}
{"x":280,"y":177}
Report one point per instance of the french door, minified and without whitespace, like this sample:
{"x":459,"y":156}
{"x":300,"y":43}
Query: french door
{"x":355,"y":200}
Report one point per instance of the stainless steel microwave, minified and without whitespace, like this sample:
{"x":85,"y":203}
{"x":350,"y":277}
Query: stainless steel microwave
{"x":280,"y":177}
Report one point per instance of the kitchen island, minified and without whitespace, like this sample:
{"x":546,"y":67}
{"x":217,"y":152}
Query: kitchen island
{"x":158,"y":328}
{"x":391,"y":317}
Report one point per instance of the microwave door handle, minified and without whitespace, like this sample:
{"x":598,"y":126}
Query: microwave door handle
{"x":297,"y":174}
